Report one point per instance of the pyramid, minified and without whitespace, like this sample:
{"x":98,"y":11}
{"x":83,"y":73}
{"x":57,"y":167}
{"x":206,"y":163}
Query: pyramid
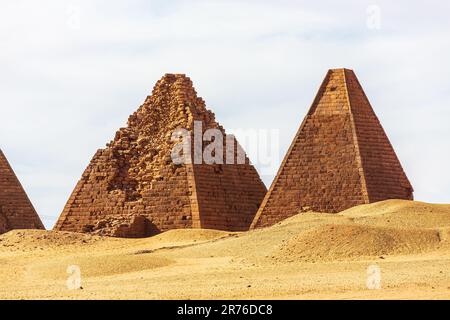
{"x":340,"y":157}
{"x":16,"y":210}
{"x":133,"y":188}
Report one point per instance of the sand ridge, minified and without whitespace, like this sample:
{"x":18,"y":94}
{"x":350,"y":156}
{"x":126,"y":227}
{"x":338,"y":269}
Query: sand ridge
{"x":311,"y":255}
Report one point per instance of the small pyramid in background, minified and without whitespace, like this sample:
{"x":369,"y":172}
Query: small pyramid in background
{"x":340,"y":157}
{"x":16,"y":210}
{"x":134,"y":189}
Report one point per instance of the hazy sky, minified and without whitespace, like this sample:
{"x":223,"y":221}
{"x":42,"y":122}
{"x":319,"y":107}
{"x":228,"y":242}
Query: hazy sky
{"x":72,"y":71}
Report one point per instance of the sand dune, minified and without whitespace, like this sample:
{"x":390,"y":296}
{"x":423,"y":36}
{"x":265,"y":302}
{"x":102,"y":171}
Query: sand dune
{"x":401,"y":214}
{"x":311,"y":255}
{"x":340,"y":242}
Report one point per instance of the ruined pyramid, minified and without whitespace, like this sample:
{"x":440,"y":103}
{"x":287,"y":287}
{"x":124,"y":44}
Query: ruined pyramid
{"x":133,"y":188}
{"x":16,"y":210}
{"x":340,"y":157}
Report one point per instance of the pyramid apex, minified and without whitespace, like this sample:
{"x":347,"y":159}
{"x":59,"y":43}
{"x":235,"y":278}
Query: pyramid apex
{"x":174,"y":76}
{"x":170,"y":79}
{"x":339,"y":69}
{"x":175,"y":81}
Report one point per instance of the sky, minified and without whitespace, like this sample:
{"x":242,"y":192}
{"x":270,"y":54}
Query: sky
{"x":71,"y":72}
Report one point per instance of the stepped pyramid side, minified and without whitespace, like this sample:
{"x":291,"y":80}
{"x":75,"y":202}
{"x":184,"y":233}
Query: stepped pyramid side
{"x":340,"y":157}
{"x":383,"y":172}
{"x":4,"y":226}
{"x":132,"y":188}
{"x":16,"y":210}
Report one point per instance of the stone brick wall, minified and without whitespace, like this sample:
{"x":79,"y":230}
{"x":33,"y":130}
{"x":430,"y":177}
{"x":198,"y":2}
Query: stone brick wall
{"x":228,"y":196}
{"x":4,"y":226}
{"x":16,"y":210}
{"x":384,"y":175}
{"x":339,"y":158}
{"x":135,"y":176}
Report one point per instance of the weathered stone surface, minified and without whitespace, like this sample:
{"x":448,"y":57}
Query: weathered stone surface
{"x":134,"y":176}
{"x":340,"y":157}
{"x":16,"y":210}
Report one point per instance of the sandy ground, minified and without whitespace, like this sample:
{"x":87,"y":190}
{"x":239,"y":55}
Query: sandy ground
{"x":309,"y":256}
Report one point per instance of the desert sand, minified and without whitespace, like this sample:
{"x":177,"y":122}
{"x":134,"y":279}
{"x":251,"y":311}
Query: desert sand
{"x":309,"y":256}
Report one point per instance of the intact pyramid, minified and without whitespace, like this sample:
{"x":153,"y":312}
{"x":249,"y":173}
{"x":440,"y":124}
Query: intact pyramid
{"x":132,"y":188}
{"x":16,"y":210}
{"x":340,"y":157}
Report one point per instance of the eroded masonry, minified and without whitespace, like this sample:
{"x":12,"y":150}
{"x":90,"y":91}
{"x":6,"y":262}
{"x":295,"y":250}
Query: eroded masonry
{"x":133,"y":188}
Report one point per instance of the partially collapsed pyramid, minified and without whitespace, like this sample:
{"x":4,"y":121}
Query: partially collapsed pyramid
{"x":16,"y":210}
{"x":340,"y":157}
{"x":133,"y":188}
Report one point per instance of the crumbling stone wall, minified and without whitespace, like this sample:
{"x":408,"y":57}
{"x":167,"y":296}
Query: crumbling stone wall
{"x":134,"y":176}
{"x":340,"y":157}
{"x":16,"y":210}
